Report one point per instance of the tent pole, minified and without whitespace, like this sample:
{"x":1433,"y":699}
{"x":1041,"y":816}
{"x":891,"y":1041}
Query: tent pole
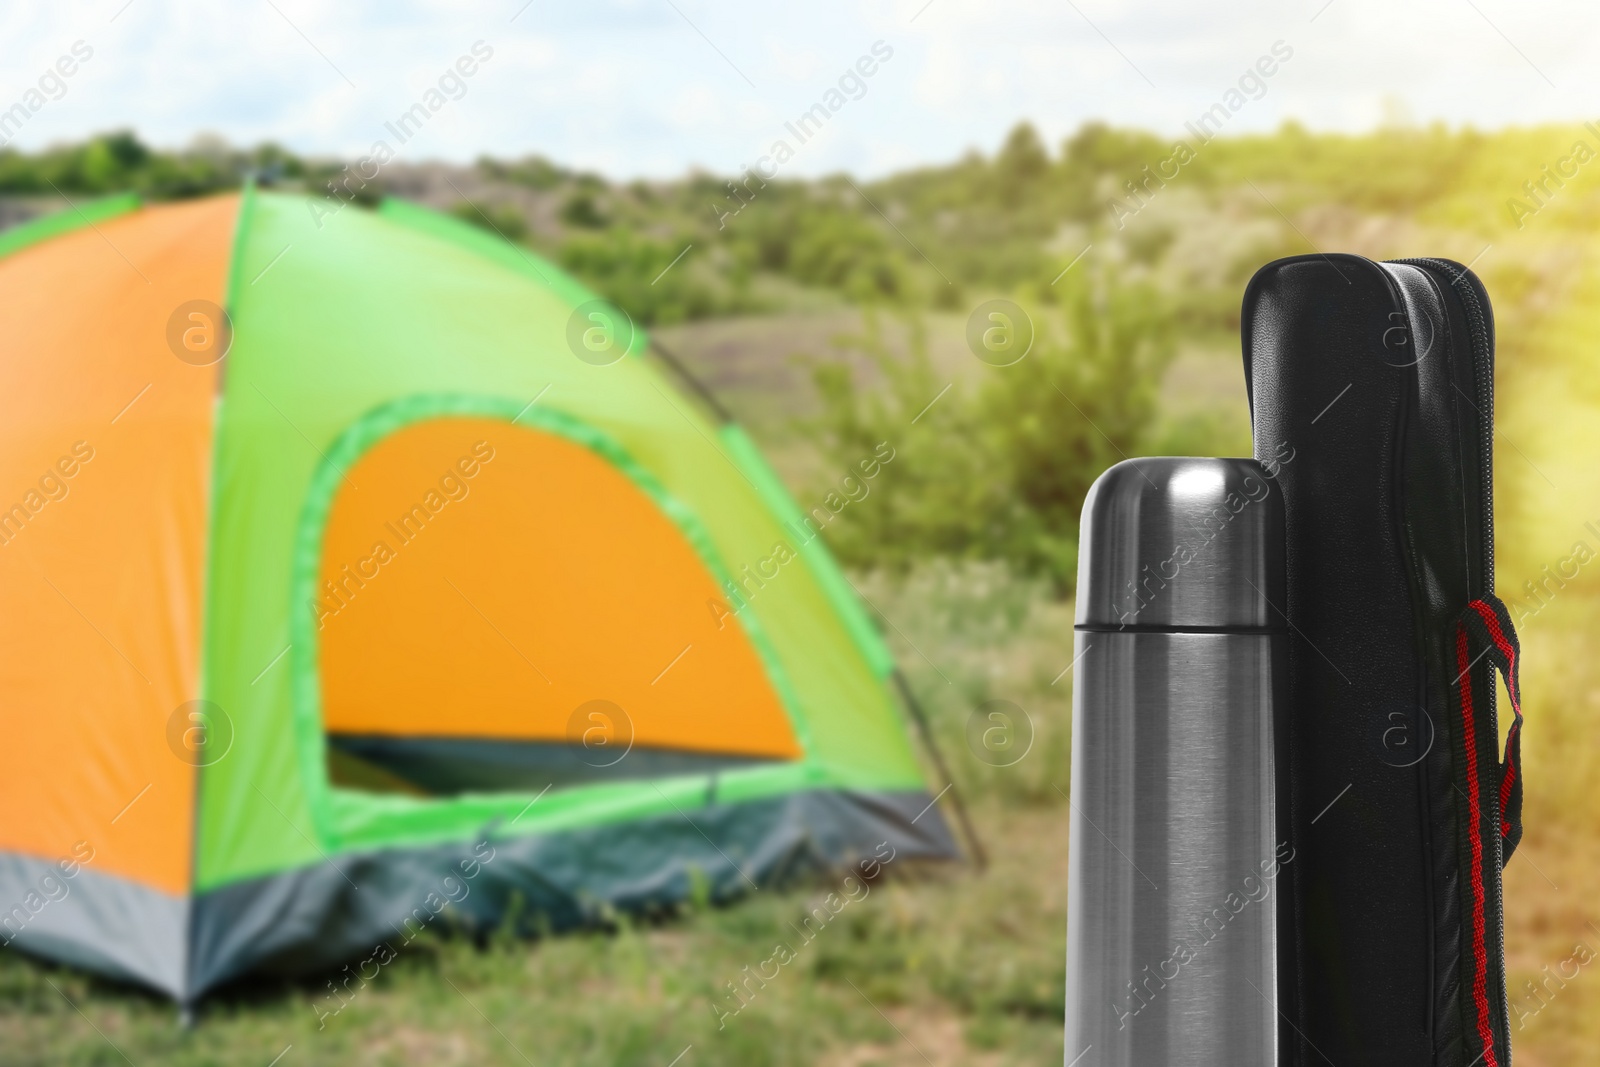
{"x":979,"y":856}
{"x":723,"y":415}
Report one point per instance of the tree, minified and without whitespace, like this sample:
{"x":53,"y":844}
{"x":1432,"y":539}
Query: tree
{"x":1022,"y":163}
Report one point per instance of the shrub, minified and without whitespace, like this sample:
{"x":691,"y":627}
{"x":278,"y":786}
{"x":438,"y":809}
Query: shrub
{"x":999,"y":469}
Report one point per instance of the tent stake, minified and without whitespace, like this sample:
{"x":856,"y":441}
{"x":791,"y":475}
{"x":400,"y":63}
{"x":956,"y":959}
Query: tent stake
{"x":979,"y":856}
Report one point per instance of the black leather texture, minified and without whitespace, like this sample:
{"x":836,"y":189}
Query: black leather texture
{"x":1371,"y":387}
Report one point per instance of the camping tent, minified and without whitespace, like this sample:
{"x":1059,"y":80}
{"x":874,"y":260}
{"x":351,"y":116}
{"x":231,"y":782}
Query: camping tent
{"x":409,"y":578}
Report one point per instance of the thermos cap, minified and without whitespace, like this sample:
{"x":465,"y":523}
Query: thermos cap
{"x":1182,"y":544}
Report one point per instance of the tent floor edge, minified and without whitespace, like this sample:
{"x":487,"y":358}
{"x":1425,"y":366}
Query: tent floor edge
{"x":363,"y":910}
{"x":101,"y":923}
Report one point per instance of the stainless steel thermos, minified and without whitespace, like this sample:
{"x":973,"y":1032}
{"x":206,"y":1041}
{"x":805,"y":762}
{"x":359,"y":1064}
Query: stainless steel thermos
{"x":1180,"y":859}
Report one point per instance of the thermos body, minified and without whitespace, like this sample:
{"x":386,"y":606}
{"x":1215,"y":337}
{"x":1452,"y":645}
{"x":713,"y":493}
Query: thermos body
{"x":1179,"y":863}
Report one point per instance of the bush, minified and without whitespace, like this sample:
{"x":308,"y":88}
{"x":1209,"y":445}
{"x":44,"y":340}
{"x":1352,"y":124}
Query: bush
{"x":998,"y":470}
{"x":502,"y":219}
{"x":639,"y":275}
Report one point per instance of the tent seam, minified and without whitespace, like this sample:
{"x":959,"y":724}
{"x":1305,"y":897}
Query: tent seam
{"x":230,"y":297}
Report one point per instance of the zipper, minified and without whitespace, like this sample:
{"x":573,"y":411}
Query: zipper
{"x":1483,"y":379}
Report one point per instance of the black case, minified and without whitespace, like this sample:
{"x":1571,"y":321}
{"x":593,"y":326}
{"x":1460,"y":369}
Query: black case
{"x":1371,"y":389}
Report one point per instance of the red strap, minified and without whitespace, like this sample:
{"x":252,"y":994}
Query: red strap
{"x":1486,"y":623}
{"x":1480,"y":945}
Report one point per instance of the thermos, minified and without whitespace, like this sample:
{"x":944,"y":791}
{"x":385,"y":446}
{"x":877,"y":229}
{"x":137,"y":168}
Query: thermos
{"x":1180,"y":862}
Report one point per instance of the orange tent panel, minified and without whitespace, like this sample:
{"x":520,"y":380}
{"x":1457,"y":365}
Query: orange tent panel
{"x":481,"y":579}
{"x":105,"y":460}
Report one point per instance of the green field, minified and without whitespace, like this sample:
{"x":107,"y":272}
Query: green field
{"x":953,"y":966}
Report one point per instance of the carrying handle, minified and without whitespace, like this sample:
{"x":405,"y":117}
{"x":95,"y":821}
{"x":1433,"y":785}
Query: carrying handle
{"x":1487,"y":623}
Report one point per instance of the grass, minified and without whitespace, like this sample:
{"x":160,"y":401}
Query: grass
{"x":639,"y":995}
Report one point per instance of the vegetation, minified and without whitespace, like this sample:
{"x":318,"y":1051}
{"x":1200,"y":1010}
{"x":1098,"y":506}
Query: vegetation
{"x":1003,"y":224}
{"x":117,"y":162}
{"x":964,"y":545}
{"x":999,"y":470}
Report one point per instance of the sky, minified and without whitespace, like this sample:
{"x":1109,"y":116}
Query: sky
{"x":653,"y":88}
